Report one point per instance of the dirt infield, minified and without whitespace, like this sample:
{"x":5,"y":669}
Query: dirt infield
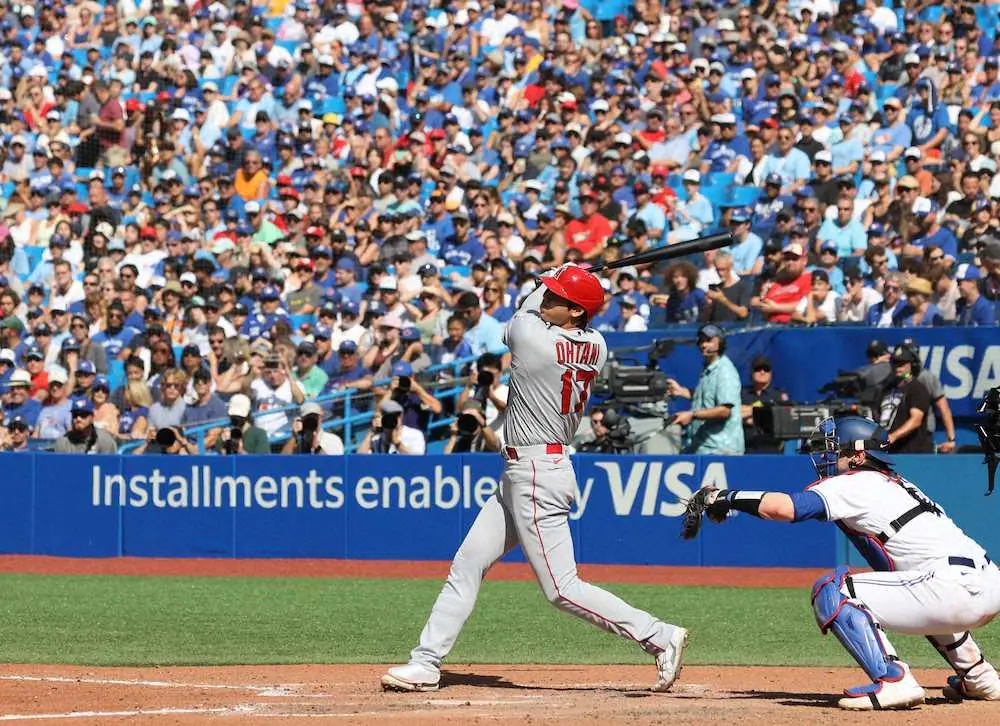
{"x":469,"y":694}
{"x":637,"y":574}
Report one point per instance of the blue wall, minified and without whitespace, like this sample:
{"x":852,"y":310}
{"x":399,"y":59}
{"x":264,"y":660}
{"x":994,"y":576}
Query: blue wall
{"x":392,"y":507}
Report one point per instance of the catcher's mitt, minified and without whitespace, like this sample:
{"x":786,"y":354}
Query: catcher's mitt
{"x":705,"y":501}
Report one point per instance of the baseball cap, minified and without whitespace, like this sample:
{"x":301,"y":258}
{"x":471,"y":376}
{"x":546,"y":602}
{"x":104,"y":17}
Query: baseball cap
{"x":402,"y":368}
{"x":239,"y":405}
{"x":82,"y":407}
{"x":968,"y":271}
{"x":85,"y":368}
{"x":348,"y":347}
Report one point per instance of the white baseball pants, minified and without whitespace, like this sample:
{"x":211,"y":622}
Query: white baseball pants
{"x":531,"y":507}
{"x":943,"y":604}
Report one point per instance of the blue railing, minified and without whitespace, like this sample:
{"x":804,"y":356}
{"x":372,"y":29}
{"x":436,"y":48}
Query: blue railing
{"x":351,"y":420}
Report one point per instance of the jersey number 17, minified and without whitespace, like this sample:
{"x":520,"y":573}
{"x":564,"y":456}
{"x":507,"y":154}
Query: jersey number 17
{"x":576,"y":384}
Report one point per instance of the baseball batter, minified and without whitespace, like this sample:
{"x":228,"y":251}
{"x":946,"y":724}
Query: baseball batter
{"x":931,"y":578}
{"x":555,"y":358}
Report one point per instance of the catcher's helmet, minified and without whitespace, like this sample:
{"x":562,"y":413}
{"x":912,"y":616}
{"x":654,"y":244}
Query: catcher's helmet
{"x":579,"y":287}
{"x":845,"y":435}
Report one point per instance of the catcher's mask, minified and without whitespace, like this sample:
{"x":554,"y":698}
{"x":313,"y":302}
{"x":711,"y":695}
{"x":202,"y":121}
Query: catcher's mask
{"x":843,"y":436}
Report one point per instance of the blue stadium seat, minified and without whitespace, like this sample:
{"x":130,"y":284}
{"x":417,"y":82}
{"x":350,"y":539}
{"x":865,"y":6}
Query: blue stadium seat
{"x":932,"y":14}
{"x":290,"y":45}
{"x":676,"y":182}
{"x":116,"y":374}
{"x":34,"y":255}
{"x":83,"y":173}
{"x":273,"y":23}
{"x":79,"y":56}
{"x":719,"y":178}
{"x":884,"y":91}
{"x":227,"y":84}
{"x":299,"y":320}
{"x":332,"y":105}
{"x":744,"y":196}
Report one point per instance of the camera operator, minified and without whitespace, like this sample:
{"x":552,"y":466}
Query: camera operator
{"x":939,"y":401}
{"x":388,"y":434}
{"x":485,"y":386}
{"x":242,"y":437}
{"x":469,"y":432}
{"x":903,"y":406}
{"x":308,"y":436}
{"x":759,"y":393}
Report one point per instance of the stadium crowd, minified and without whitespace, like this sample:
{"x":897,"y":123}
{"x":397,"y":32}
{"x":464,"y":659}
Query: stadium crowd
{"x":218,"y":209}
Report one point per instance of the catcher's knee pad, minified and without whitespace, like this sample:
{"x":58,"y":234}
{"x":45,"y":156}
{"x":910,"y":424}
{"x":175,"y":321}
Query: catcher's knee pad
{"x":853,"y":626}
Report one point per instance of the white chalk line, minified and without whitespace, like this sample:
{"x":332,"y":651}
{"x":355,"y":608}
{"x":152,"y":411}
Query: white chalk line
{"x":284,"y":690}
{"x":119,"y":714}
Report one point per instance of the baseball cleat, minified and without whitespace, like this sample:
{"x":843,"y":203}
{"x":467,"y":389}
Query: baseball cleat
{"x":668,"y":663}
{"x":958,"y":689}
{"x":884,"y":695}
{"x":411,"y":677}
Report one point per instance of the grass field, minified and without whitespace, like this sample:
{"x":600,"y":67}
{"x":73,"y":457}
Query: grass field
{"x":92,"y":620}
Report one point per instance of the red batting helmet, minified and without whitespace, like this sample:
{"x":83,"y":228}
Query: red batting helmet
{"x":579,"y":287}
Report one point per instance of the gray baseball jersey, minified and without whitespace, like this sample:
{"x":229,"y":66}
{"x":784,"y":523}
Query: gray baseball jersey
{"x":552,"y":371}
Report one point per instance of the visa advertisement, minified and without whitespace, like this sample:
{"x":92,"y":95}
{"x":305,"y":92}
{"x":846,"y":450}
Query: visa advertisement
{"x":627,"y":509}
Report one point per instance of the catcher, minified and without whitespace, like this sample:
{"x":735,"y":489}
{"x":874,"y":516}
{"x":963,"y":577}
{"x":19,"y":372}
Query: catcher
{"x":931,"y":578}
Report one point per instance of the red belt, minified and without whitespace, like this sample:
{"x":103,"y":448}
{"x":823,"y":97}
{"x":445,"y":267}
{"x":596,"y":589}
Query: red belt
{"x":511,"y":451}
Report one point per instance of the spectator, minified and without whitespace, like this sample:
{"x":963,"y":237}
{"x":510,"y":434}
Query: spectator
{"x":759,"y":393}
{"x":105,"y":412}
{"x":919,"y":311}
{"x":857,"y":300}
{"x":242,"y":436}
{"x":133,"y":422}
{"x":883,"y":314}
{"x":307,"y":373}
{"x":54,"y":417}
{"x":18,"y":401}
{"x":727,"y":300}
{"x":844,"y":231}
{"x":308,"y":436}
{"x":684,"y":301}
{"x":903,"y":407}
{"x":15,"y":435}
{"x":275,"y":390}
{"x":972,"y":308}
{"x":747,"y":246}
{"x":84,"y":437}
{"x":168,"y":411}
{"x":205,"y":405}
{"x":791,"y":284}
{"x":88,"y":350}
{"x":820,"y":305}
{"x":484,"y":334}
{"x":713,"y":424}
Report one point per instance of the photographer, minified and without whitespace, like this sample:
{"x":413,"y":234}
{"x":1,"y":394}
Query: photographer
{"x":309,"y":438}
{"x":388,"y":434}
{"x":760,"y":392}
{"x":169,"y":441}
{"x":609,"y":434}
{"x":469,"y":432}
{"x":414,"y":398}
{"x":485,"y":387}
{"x":242,"y":437}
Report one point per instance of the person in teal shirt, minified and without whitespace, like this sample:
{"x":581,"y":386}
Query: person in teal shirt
{"x":712,"y":425}
{"x":310,"y":376}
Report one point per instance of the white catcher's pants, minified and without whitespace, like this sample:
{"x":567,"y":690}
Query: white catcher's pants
{"x":943,"y":603}
{"x":531,"y":507}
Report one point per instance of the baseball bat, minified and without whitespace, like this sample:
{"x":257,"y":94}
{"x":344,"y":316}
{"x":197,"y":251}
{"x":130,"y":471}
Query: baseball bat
{"x":670,"y":252}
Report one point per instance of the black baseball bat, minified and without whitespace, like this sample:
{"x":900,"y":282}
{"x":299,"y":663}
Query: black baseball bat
{"x":670,"y":252}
